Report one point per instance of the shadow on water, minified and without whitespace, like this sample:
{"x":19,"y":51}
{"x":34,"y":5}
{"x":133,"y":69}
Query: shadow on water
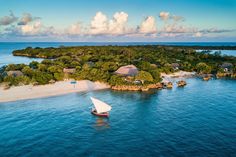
{"x":197,"y":120}
{"x":101,"y":123}
{"x":131,"y":95}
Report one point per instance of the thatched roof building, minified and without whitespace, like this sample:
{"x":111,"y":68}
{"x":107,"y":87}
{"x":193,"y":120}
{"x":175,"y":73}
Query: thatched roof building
{"x":175,"y":66}
{"x":52,"y":81}
{"x":69,"y":70}
{"x":227,"y":65}
{"x":15,"y":73}
{"x":128,"y":70}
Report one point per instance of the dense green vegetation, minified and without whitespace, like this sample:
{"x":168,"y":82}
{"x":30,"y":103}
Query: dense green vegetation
{"x":98,"y":63}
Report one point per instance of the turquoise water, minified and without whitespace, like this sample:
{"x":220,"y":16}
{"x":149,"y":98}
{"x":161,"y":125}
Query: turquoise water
{"x":197,"y":120}
{"x":223,"y":52}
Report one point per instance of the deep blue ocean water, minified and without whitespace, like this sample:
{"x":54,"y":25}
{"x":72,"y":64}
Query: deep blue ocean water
{"x":6,"y":48}
{"x":195,"y":121}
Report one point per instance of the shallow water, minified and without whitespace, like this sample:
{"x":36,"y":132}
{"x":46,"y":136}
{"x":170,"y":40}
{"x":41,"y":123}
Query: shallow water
{"x":197,"y":120}
{"x":223,"y":52}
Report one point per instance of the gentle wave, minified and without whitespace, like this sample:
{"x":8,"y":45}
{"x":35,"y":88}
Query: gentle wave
{"x":197,"y":120}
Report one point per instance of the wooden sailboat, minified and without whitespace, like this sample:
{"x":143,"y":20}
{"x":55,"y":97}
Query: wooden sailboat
{"x":100,"y":109}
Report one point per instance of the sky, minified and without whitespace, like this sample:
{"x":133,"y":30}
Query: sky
{"x":118,"y":20}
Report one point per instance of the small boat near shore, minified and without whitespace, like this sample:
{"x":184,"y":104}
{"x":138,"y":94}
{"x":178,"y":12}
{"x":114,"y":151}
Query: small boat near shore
{"x":101,"y":108}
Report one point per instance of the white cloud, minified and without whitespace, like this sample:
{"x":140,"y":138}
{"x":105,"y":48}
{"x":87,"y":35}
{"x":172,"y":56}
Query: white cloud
{"x":168,"y":35}
{"x":177,"y":18}
{"x":198,"y":34}
{"x":118,"y":24}
{"x":27,"y":18}
{"x":164,"y":15}
{"x":102,"y":27}
{"x":215,"y":30}
{"x":74,"y":29}
{"x":148,"y":26}
{"x":31,"y":29}
{"x":99,"y":24}
{"x":7,"y":20}
{"x":36,"y":28}
{"x":27,"y":25}
{"x":175,"y":28}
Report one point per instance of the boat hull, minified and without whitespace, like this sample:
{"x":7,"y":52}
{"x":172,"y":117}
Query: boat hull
{"x":106,"y":114}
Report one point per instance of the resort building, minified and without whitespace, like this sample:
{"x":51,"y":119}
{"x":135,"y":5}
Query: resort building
{"x":90,"y":64}
{"x":69,"y":70}
{"x":227,"y":67}
{"x":128,"y":70}
{"x":52,"y":81}
{"x":15,"y":73}
{"x":175,"y":66}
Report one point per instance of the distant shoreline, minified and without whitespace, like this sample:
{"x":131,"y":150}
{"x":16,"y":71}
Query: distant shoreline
{"x":178,"y":74}
{"x":197,"y":45}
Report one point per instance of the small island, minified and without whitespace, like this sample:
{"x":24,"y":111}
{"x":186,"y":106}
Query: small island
{"x":134,"y":68}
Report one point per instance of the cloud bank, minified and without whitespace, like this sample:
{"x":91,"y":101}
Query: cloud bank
{"x":165,"y":25}
{"x":148,"y":26}
{"x":27,"y":18}
{"x":8,"y":19}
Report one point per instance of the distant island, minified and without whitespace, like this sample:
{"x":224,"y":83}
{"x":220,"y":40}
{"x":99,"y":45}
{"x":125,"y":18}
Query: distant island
{"x":135,"y":67}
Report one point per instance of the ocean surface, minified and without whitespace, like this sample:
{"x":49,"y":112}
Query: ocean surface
{"x":6,"y":48}
{"x":198,"y":120}
{"x":195,"y":121}
{"x":223,"y":52}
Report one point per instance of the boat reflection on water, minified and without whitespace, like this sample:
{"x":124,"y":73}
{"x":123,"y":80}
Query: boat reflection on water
{"x":101,"y":123}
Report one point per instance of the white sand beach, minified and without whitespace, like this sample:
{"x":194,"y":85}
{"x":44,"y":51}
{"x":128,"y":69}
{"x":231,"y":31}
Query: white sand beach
{"x":58,"y":88}
{"x":178,"y":74}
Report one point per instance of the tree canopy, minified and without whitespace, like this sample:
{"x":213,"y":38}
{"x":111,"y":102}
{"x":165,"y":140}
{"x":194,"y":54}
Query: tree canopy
{"x":98,"y":63}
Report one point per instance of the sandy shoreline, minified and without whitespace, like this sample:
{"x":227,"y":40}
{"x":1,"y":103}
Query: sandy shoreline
{"x":65,"y":87}
{"x":59,"y":88}
{"x":178,"y":74}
